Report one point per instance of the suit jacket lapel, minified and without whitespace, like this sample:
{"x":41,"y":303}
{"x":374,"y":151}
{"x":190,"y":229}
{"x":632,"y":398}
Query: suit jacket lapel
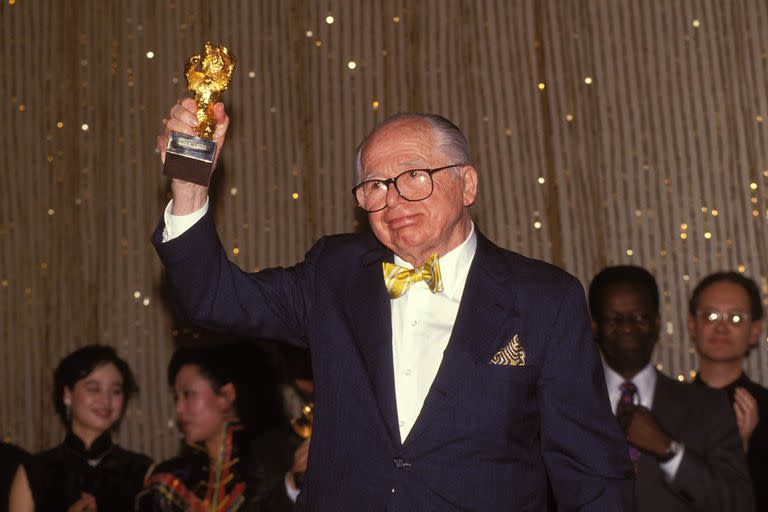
{"x":487,"y":304}
{"x":370,"y":314}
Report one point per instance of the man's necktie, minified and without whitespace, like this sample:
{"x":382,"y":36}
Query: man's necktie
{"x":628,"y":392}
{"x":398,"y":279}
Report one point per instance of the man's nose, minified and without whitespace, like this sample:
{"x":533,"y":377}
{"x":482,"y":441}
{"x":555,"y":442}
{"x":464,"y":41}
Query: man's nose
{"x":393,"y":196}
{"x":722,"y":324}
{"x":627,"y":325}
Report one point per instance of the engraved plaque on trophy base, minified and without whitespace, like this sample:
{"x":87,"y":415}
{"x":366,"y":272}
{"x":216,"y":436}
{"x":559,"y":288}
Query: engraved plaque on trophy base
{"x":189,"y":158}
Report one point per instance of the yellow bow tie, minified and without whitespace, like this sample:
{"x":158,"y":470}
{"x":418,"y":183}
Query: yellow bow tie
{"x":398,"y":279}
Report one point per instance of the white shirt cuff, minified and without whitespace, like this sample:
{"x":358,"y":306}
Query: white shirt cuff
{"x":670,"y":467}
{"x":291,"y":491}
{"x":176,"y":225}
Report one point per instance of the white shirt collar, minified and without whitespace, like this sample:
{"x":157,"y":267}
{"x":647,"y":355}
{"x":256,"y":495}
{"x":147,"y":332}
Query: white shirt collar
{"x":645,"y":380}
{"x":454,"y":266}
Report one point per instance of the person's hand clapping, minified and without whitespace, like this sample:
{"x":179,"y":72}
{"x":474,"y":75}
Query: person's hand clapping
{"x":747,"y":414}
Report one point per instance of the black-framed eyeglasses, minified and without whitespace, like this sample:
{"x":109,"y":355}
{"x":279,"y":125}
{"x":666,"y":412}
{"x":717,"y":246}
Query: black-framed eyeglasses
{"x":731,"y":317}
{"x":412,"y":185}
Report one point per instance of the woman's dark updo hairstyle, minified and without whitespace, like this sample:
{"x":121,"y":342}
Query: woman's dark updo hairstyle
{"x":258,"y":401}
{"x":79,"y":364}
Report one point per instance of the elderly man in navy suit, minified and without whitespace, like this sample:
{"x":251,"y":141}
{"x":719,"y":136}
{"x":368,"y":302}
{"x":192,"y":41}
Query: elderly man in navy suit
{"x":450,"y":374}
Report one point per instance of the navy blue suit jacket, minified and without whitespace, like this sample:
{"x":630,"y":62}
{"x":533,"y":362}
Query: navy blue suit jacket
{"x":489,"y":438}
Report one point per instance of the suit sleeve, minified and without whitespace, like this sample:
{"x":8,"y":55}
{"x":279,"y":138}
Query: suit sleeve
{"x":717,"y":479}
{"x":212,"y":291}
{"x":582,"y":445}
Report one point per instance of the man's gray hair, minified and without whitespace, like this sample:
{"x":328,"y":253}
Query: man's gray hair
{"x":450,"y":139}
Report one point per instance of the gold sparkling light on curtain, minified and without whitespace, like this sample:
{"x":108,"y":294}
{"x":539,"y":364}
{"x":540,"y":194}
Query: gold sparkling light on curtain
{"x":604,"y":131}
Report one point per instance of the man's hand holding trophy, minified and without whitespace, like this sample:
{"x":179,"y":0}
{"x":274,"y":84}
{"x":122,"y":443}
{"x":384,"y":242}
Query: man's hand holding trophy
{"x":190,"y":154}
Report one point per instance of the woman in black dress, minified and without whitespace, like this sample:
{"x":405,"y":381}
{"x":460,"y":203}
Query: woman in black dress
{"x":229,"y":409}
{"x":87,"y":472}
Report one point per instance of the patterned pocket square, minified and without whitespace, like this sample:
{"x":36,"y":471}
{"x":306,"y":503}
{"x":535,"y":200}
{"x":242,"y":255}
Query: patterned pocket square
{"x":512,"y":354}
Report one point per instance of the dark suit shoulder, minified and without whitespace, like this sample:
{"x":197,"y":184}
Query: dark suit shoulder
{"x":346,"y":238}
{"x":679,"y":404}
{"x":687,"y":391}
{"x":529,"y":274}
{"x":336,"y":253}
{"x":345,"y":244}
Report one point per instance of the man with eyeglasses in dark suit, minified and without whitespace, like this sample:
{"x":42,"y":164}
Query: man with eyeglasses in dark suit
{"x":725,"y":321}
{"x":450,"y":374}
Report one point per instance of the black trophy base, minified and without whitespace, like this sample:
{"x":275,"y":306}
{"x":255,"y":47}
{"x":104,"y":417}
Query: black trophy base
{"x":189,"y":158}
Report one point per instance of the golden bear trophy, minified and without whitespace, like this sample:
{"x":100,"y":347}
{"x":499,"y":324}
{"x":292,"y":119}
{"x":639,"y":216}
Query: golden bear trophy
{"x":191,"y":158}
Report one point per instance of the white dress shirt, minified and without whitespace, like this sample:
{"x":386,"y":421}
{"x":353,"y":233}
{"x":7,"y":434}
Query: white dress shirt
{"x":175,"y":225}
{"x":645,"y":381}
{"x":422,"y":321}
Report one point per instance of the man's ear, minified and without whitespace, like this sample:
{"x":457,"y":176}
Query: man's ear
{"x":67,"y":398}
{"x":469,"y":182}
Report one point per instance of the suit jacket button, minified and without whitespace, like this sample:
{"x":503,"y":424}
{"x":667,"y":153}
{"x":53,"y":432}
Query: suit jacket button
{"x":401,"y":463}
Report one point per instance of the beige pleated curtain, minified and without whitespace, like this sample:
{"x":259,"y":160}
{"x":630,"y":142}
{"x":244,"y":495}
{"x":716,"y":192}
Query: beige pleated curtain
{"x":604,"y":131}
